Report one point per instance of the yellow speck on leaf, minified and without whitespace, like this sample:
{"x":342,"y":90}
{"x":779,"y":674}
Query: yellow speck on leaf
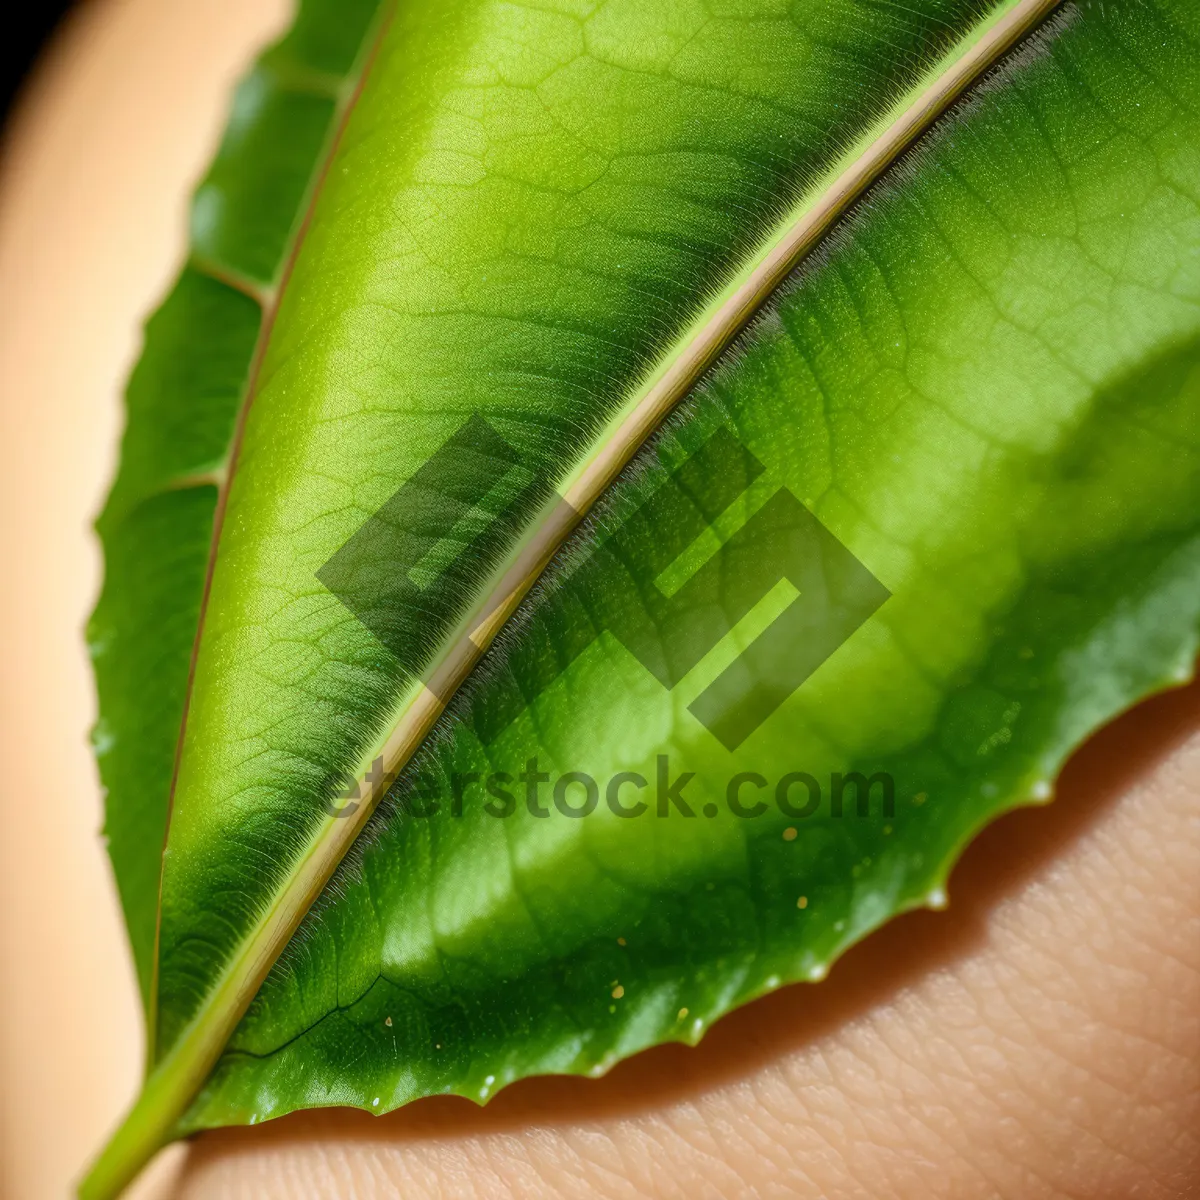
{"x":802,"y":902}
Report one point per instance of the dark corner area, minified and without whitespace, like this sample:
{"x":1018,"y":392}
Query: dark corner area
{"x":23,"y":42}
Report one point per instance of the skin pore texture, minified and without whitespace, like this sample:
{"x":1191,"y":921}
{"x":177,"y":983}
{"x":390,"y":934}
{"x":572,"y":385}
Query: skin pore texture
{"x":1039,"y":1039}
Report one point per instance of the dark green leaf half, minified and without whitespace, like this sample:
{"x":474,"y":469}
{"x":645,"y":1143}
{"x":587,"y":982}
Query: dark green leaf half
{"x":183,"y":402}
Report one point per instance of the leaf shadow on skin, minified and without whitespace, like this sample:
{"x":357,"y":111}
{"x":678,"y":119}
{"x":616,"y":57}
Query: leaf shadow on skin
{"x":1005,"y":856}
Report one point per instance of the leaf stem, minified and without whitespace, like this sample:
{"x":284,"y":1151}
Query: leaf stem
{"x":145,"y":1131}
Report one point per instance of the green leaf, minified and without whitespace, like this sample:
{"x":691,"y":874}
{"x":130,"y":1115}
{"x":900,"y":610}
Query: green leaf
{"x":933,"y":518}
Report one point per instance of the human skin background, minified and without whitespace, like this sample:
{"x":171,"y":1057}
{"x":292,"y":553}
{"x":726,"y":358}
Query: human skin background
{"x":1039,"y":1039}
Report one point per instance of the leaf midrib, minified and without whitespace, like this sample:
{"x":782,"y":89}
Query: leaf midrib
{"x":181,"y":1071}
{"x":680,"y":369}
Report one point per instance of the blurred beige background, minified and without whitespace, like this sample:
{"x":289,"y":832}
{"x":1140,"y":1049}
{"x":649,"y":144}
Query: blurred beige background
{"x":91,"y":229}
